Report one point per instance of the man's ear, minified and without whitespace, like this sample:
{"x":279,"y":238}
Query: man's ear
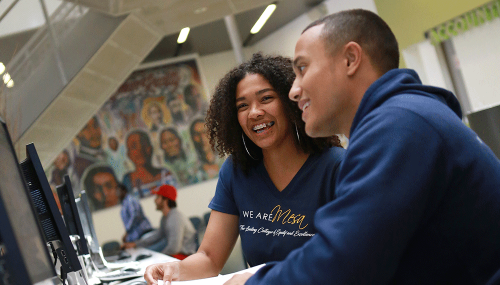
{"x":353,"y":54}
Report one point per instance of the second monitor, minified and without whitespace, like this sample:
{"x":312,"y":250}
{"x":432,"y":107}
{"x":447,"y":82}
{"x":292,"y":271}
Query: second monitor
{"x":71,"y":215}
{"x":49,"y":216}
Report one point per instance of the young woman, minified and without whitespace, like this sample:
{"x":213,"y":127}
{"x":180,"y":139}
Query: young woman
{"x":274,"y":180}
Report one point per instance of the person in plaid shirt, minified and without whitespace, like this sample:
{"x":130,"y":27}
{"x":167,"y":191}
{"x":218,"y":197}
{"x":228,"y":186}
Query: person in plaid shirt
{"x":135,"y":222}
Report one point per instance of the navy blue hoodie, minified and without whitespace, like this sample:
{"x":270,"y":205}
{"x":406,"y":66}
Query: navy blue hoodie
{"x":418,"y":198}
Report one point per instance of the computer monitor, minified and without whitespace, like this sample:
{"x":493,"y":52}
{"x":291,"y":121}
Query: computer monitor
{"x":91,"y":236}
{"x":82,"y":204}
{"x":26,"y":259}
{"x":71,"y":215}
{"x":49,"y":216}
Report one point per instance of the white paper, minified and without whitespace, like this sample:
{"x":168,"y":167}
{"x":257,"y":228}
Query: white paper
{"x":219,"y":280}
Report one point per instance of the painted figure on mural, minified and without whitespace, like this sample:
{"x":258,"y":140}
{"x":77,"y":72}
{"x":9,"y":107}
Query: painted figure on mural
{"x":155,"y":114}
{"x":62,"y":165}
{"x":194,"y":100}
{"x":175,"y":157}
{"x":145,"y":176}
{"x":209,"y":164}
{"x":175,"y":104}
{"x":117,"y":157}
{"x":100,"y":183}
{"x":90,"y":146}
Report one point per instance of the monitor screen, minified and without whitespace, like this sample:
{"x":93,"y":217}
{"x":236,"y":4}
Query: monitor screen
{"x":48,"y":213}
{"x":87,"y":222}
{"x":26,"y":252}
{"x":70,"y":214}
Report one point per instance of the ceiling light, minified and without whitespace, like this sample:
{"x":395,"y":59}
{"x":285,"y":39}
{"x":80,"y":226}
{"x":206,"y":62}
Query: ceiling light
{"x":263,"y":18}
{"x":2,"y":67}
{"x":183,"y":35}
{"x":6,"y":78}
{"x":10,"y":84}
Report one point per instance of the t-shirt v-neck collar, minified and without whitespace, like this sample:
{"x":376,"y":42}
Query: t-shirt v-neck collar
{"x":265,"y":177}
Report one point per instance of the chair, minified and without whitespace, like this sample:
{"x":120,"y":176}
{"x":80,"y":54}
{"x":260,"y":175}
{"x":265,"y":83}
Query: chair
{"x":196,"y":221}
{"x":111,"y":248}
{"x":199,"y":227}
{"x":206,"y":217}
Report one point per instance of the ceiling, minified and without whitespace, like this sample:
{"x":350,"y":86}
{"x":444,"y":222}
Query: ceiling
{"x":213,"y":37}
{"x":204,"y":39}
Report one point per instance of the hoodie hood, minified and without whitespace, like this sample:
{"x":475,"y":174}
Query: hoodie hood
{"x":401,"y":81}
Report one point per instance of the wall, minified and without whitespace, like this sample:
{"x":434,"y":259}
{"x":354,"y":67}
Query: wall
{"x":422,"y":14}
{"x":193,"y":200}
{"x":429,"y":63}
{"x":283,"y":41}
{"x":478,"y":57}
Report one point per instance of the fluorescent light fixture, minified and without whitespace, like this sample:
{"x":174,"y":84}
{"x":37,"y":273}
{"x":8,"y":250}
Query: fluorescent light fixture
{"x":183,"y":35}
{"x":6,"y":78}
{"x":263,"y":19}
{"x":10,"y":84}
{"x":2,"y":67}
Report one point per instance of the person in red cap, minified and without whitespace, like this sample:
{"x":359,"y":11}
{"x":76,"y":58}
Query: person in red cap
{"x":176,"y":236}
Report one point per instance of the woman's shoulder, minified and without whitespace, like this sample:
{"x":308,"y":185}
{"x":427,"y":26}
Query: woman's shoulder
{"x":231,"y":170}
{"x":228,"y":164}
{"x":334,"y":154}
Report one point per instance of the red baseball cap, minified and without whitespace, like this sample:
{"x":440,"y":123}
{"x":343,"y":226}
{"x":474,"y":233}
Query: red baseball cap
{"x":167,"y":191}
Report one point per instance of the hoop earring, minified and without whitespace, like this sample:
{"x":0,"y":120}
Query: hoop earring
{"x":243,"y":138}
{"x":297,"y":131}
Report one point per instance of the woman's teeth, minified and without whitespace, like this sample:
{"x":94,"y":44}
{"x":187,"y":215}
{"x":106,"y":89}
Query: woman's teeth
{"x":261,"y":127}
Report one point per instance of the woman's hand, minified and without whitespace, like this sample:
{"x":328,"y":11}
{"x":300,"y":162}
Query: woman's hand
{"x":239,"y":279}
{"x":162,"y":271}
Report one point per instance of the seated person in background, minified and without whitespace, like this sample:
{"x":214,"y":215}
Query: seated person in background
{"x":175,"y":228}
{"x":135,"y":222}
{"x":274,"y":180}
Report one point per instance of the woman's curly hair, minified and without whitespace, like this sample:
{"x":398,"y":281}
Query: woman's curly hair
{"x":223,"y":128}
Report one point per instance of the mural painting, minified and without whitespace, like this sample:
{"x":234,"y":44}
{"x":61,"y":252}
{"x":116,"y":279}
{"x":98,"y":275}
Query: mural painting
{"x":150,"y":132}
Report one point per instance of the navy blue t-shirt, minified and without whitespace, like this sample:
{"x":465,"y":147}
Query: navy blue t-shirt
{"x":273,"y":223}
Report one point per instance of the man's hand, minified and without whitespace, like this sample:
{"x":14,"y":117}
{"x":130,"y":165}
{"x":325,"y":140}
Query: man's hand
{"x":128,"y":245}
{"x":167,"y":272}
{"x":239,"y":279}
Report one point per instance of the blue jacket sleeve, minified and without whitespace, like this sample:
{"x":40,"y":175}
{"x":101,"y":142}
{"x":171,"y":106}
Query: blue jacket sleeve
{"x":386,"y":187}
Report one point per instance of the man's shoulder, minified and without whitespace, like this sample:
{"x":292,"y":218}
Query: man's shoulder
{"x":418,"y":104}
{"x":174,"y":213}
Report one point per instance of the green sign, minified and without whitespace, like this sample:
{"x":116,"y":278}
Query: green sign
{"x":464,"y":22}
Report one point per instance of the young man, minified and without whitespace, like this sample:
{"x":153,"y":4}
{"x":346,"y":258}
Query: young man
{"x":175,"y":228}
{"x":418,"y":194}
{"x":135,"y":222}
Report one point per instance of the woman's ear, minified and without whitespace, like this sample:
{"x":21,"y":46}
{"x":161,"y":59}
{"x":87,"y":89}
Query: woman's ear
{"x":353,"y":53}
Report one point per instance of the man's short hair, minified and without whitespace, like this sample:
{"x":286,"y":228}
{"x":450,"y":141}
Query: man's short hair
{"x":171,"y":203}
{"x":365,"y":28}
